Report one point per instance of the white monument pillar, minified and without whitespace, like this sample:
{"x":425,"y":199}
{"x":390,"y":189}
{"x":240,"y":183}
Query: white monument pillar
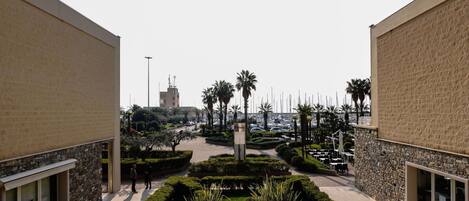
{"x":240,"y":141}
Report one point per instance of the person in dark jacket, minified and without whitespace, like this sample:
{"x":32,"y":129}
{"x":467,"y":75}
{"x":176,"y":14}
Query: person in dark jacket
{"x":147,"y":175}
{"x":133,"y":176}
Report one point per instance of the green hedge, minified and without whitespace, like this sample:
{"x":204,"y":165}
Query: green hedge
{"x":225,"y":165}
{"x":176,"y":188}
{"x":158,"y":166}
{"x":292,"y":155}
{"x":307,"y":189}
{"x":254,"y":143}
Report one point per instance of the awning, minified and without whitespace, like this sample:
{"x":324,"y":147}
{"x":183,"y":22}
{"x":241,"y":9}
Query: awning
{"x":17,"y":180}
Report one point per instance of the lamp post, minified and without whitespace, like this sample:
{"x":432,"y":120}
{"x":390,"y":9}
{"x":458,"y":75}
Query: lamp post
{"x":148,"y":68}
{"x":310,"y":118}
{"x":295,"y":126}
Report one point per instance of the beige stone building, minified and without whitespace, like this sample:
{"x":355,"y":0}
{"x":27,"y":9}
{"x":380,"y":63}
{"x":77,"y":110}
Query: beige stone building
{"x":170,"y":97}
{"x":417,"y":147}
{"x":59,"y":103}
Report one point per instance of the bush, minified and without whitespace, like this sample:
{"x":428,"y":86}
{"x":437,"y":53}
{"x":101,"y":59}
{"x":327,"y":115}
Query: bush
{"x":307,"y":189}
{"x":293,"y":157}
{"x":180,"y":188}
{"x":273,"y":191}
{"x":176,"y":188}
{"x":295,"y":144}
{"x":297,"y":161}
{"x":162,"y":162}
{"x":315,"y":146}
{"x":226,"y":165}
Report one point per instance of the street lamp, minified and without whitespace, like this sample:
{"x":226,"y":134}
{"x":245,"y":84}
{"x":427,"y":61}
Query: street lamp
{"x":310,"y":118}
{"x":148,"y":68}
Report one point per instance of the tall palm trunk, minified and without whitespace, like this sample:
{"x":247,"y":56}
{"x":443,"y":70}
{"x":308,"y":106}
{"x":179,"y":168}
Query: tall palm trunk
{"x":304,"y":133}
{"x":357,"y":110}
{"x":318,"y":119}
{"x":226,"y":114}
{"x":265,"y":120}
{"x":246,"y":117}
{"x":221,"y":116}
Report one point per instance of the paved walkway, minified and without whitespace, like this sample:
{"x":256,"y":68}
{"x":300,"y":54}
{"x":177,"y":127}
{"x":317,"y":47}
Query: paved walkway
{"x":339,"y":188}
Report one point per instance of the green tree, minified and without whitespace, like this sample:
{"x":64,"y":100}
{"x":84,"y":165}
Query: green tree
{"x":246,"y":83}
{"x":209,"y":98}
{"x":235,"y":109}
{"x":354,"y":88}
{"x":304,"y":111}
{"x":229,"y":90}
{"x":318,"y":108}
{"x":221,"y":91}
{"x":265,"y":109}
{"x":173,"y":138}
{"x":346,"y":108}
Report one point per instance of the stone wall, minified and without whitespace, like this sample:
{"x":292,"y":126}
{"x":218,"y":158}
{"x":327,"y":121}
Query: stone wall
{"x":380,"y":165}
{"x":423,"y":79}
{"x":85,"y":178}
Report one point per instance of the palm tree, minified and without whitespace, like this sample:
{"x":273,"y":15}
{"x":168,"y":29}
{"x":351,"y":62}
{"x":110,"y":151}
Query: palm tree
{"x":346,"y":108}
{"x":209,"y":98}
{"x":304,"y":111}
{"x":265,"y":109}
{"x":353,"y":88}
{"x":220,"y":89}
{"x":367,"y":89}
{"x":246,"y":82}
{"x":228,"y":90}
{"x":318,"y":108}
{"x":235,"y":109}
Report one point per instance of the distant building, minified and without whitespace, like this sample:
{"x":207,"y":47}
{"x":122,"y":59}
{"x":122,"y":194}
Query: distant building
{"x":59,"y":103}
{"x":417,"y":146}
{"x":170,"y":98}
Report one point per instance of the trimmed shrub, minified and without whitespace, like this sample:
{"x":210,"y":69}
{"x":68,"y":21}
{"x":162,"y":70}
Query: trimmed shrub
{"x":166,"y":163}
{"x":226,"y":165}
{"x":176,"y":188}
{"x":295,"y":144}
{"x":307,"y":189}
{"x":297,"y":161}
{"x":179,"y":188}
{"x":293,"y":157}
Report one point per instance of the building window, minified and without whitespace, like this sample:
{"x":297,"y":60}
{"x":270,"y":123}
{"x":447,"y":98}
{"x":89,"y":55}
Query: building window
{"x":425,"y":184}
{"x":45,"y":189}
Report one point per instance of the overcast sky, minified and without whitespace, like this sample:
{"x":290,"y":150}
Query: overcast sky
{"x":309,"y":46}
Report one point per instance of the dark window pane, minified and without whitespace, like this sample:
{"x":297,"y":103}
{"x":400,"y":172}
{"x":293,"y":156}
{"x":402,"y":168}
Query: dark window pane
{"x":424,"y":185}
{"x":11,"y":195}
{"x":442,"y":188}
{"x":460,"y":191}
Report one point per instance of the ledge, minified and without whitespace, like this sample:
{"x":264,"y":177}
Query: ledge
{"x":14,"y":181}
{"x":422,"y":147}
{"x":366,"y":127}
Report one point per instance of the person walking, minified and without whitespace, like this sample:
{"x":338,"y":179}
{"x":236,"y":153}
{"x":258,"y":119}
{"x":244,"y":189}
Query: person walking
{"x":147,"y":175}
{"x":133,"y":176}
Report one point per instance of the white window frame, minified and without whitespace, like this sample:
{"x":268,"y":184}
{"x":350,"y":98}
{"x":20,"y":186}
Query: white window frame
{"x":35,"y":176}
{"x":434,"y":172}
